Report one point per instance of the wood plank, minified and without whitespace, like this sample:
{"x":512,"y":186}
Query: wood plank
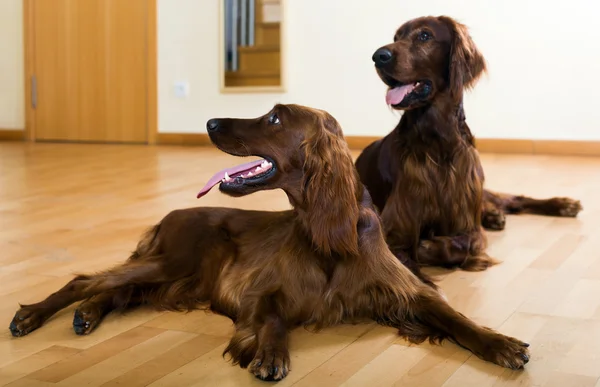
{"x":34,"y":362}
{"x":168,"y":361}
{"x":94,"y":355}
{"x":127,"y":360}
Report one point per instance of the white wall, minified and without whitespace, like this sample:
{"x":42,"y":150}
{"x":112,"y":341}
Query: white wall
{"x":544,"y":64}
{"x":12,"y":109}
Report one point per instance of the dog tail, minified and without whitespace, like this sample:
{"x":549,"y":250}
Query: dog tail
{"x":148,"y":244}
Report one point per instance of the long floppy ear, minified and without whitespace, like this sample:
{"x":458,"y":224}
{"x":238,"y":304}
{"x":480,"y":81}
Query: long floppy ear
{"x":330,"y":185}
{"x":467,"y":64}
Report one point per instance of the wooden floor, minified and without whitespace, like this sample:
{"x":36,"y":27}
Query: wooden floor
{"x":73,"y":208}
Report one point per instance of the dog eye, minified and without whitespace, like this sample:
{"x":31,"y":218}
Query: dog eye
{"x":273,"y":119}
{"x":424,"y":36}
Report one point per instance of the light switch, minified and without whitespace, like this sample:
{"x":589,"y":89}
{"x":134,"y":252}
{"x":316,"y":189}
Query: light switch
{"x":182,"y":89}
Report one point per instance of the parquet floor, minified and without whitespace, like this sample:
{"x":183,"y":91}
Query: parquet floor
{"x":72,"y":208}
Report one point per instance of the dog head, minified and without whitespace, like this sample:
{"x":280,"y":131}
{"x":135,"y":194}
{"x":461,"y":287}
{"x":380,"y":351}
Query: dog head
{"x":302,"y":151}
{"x":429,"y":56}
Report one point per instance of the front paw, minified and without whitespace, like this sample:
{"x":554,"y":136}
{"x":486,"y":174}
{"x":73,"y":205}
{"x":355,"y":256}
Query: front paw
{"x":270,"y":364}
{"x":86,"y":318}
{"x":26,"y":320}
{"x":493,"y":220}
{"x":506,"y":352}
{"x":566,"y":207}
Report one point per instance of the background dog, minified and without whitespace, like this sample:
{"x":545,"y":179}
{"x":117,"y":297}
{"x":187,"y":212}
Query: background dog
{"x":425,"y":176}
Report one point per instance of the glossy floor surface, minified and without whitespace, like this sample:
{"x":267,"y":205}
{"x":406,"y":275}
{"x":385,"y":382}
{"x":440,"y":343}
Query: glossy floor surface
{"x":66,"y":209}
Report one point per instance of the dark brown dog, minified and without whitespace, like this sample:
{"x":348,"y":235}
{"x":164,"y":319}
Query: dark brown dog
{"x":324,"y":262}
{"x":425,"y":176}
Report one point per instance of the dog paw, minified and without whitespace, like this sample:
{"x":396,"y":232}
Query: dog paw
{"x":567,"y":207}
{"x":86,"y":319}
{"x":493,"y":220}
{"x":270,"y":364}
{"x":460,"y":244}
{"x":26,"y":320}
{"x":507,"y":352}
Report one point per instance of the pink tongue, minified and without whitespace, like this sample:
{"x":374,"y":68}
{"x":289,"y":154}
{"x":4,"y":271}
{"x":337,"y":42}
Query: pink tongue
{"x":396,"y":95}
{"x":217,"y":177}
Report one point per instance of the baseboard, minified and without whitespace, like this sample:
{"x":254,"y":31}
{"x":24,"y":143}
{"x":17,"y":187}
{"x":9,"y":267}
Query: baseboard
{"x":539,"y":147}
{"x":489,"y":145}
{"x":192,"y":139}
{"x":360,"y":142}
{"x":12,"y":135}
{"x":484,"y":145}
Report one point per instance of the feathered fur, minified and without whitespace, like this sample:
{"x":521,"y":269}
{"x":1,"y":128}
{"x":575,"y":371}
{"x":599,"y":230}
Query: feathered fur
{"x":323,"y":263}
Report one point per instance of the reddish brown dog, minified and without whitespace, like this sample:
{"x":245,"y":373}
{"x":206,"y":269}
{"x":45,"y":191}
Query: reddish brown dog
{"x":425,"y":176}
{"x":324,"y":262}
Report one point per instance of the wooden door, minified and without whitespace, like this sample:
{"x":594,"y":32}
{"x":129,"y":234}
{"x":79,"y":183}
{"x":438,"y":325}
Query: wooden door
{"x":89,"y":70}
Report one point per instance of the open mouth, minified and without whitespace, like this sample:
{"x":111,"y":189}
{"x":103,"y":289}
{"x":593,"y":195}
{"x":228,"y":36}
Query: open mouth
{"x":233,"y":179}
{"x":402,"y":94}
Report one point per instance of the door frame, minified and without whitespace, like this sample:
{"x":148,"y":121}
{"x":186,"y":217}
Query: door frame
{"x":151,"y":77}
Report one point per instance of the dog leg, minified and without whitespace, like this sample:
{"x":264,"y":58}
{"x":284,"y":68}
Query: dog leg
{"x":272,"y":359}
{"x":91,"y":312}
{"x":414,"y":267}
{"x":242,"y":346}
{"x":492,"y":215}
{"x":31,"y":317}
{"x":261,"y":340}
{"x":399,"y":247}
{"x":517,"y":204}
{"x":463,"y":251}
{"x":430,"y":317}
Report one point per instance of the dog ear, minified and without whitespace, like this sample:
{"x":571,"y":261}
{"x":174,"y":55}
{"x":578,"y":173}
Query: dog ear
{"x":330,"y":185}
{"x":467,"y":63}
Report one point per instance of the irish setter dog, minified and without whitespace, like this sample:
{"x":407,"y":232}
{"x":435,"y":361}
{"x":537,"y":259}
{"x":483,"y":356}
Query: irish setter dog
{"x":425,"y":177}
{"x":324,"y":262}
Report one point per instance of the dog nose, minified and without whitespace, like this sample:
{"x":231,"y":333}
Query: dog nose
{"x":382,"y":56}
{"x":212,"y":125}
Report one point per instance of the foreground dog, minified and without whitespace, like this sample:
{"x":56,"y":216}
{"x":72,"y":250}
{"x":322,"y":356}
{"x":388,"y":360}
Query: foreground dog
{"x":425,"y":176}
{"x":323,"y":263}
